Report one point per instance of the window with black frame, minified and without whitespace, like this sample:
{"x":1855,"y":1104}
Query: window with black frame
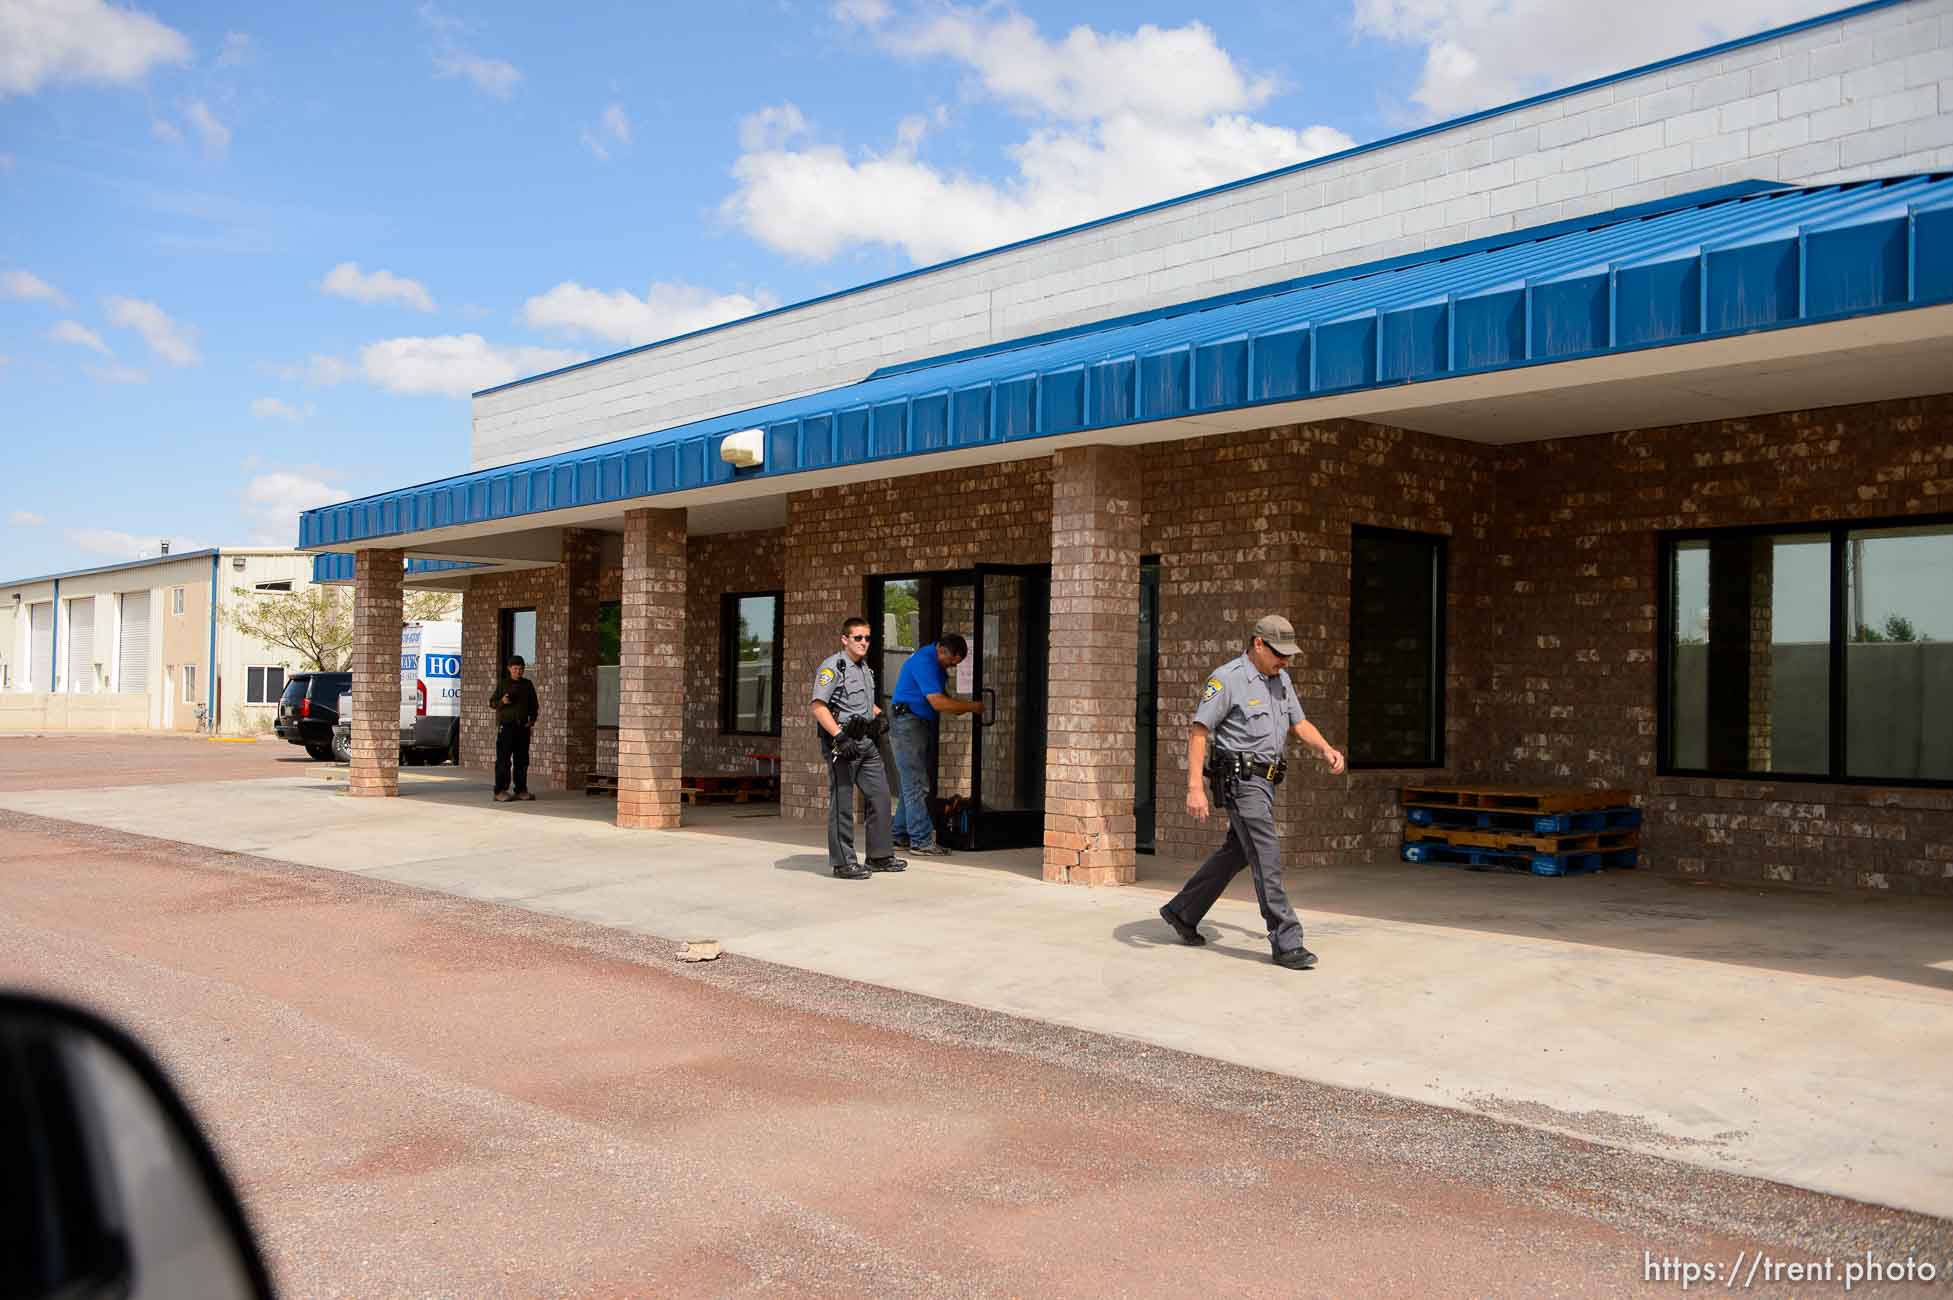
{"x":518,"y":638}
{"x":749,"y":663}
{"x":1396,"y":649}
{"x":610,"y":648}
{"x":1822,"y":652}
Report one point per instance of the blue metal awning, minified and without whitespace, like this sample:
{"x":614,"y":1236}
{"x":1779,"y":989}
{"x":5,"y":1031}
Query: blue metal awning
{"x":1612,"y":283}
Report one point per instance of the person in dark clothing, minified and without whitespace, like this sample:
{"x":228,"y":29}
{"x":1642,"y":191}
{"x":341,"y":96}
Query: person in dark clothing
{"x":516,"y":707}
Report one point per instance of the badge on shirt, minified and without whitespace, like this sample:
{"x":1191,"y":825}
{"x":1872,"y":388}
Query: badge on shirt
{"x":827,"y":675}
{"x":1254,"y":704}
{"x":1213,"y":689}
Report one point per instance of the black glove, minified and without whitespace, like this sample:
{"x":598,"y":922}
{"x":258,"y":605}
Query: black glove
{"x":846,"y":749}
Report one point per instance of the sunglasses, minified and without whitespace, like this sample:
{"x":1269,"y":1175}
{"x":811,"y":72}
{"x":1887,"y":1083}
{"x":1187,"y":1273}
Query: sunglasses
{"x":861,"y":638}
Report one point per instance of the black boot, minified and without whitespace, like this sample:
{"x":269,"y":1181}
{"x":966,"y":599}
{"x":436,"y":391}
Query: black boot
{"x":888,"y":864}
{"x":852,"y":871}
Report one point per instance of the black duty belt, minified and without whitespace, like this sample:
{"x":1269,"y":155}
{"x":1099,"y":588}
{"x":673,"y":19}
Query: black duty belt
{"x":901,"y":709}
{"x":1227,"y":764}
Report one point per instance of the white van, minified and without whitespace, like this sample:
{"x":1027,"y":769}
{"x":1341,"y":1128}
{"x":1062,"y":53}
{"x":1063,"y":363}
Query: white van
{"x":430,"y":692}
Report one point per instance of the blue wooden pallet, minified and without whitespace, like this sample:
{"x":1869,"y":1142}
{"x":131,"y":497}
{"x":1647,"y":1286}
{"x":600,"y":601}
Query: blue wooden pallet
{"x":1532,"y":823}
{"x":1539,"y":864}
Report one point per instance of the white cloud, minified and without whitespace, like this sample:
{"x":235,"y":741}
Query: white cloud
{"x":1116,"y":121}
{"x":864,"y":13}
{"x":346,"y":280}
{"x":494,"y":77}
{"x":119,"y":545}
{"x":236,"y":50}
{"x":773,"y":127}
{"x":169,"y":339}
{"x":611,"y":130}
{"x":43,"y":42}
{"x":215,"y":135}
{"x":620,"y":316}
{"x":26,"y":519}
{"x":1175,"y":74}
{"x":27,"y":286}
{"x":117,"y":373}
{"x":1481,"y":53}
{"x":318,"y":370}
{"x":166,"y":131}
{"x":73,"y":331}
{"x":453,"y":365}
{"x":272,"y":501}
{"x":271,"y":408}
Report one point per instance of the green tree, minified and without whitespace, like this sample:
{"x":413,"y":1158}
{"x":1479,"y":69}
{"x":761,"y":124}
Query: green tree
{"x":316,"y":624}
{"x":1897,"y":629}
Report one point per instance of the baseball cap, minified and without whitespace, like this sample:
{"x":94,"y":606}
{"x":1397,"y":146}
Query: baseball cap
{"x":1279,"y":634}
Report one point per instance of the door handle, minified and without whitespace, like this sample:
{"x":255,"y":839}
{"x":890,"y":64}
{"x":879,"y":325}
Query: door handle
{"x":989,"y":717}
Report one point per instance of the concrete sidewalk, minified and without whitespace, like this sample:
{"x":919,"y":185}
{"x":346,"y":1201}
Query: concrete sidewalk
{"x":1796,"y":1038}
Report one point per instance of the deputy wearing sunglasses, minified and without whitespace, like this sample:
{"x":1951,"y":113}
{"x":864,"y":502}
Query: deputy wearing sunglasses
{"x":844,"y":709}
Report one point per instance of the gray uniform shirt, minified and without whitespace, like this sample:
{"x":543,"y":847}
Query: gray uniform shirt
{"x":1247,"y":713}
{"x":847,"y":688}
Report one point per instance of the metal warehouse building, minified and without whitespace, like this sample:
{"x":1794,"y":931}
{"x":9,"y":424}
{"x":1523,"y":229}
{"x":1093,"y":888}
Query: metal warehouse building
{"x":143,"y":646}
{"x":1602,"y":439}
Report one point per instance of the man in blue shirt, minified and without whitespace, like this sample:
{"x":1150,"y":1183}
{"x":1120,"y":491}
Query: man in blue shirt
{"x":921,"y":695}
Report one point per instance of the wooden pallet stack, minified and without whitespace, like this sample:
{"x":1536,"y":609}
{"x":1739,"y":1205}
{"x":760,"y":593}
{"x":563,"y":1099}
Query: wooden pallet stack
{"x":1546,"y":831}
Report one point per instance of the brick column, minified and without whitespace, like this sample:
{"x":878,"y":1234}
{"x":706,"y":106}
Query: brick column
{"x":1089,"y":783}
{"x":651,"y":671}
{"x":376,"y":673}
{"x":577,"y":674}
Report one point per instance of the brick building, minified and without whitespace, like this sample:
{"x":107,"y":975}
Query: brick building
{"x":1603,"y":439}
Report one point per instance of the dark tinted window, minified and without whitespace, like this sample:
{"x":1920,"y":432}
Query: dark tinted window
{"x":1396,"y":649}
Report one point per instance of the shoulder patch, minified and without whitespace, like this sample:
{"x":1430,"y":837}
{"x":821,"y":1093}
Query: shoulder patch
{"x":827,"y":675}
{"x":1212,"y":689}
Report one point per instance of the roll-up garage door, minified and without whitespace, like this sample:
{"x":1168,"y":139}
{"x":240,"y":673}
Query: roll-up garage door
{"x":132,"y":650}
{"x":40,"y":664}
{"x":81,"y":645}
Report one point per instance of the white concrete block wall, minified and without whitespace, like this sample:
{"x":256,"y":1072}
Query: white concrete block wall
{"x":1848,"y":100}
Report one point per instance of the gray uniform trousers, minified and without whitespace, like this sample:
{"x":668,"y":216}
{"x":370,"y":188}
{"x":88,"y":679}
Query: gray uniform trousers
{"x":844,"y":778}
{"x":1251,"y":842}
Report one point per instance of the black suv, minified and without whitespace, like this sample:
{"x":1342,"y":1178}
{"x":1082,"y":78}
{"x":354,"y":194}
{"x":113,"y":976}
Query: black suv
{"x":309,"y":707}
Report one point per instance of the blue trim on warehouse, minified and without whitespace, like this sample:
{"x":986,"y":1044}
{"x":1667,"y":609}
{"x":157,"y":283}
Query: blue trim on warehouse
{"x":1764,"y":261}
{"x":210,"y":668}
{"x":1692,"y":56}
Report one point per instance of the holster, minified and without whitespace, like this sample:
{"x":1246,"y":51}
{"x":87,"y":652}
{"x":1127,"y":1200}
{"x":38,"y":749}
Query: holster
{"x":865,"y":728}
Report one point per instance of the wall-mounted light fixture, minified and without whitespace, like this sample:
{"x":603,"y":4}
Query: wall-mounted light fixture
{"x":745,"y":449}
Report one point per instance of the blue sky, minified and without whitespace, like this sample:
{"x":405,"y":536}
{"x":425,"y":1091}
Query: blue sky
{"x":254,"y":257}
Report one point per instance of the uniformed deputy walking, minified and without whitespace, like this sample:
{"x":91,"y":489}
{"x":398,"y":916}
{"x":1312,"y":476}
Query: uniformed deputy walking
{"x":1249,"y":709}
{"x":845,"y":711}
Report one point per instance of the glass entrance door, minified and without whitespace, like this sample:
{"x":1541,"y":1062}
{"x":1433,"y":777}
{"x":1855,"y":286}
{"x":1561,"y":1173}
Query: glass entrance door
{"x":1009,"y":650}
{"x":988,"y":779}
